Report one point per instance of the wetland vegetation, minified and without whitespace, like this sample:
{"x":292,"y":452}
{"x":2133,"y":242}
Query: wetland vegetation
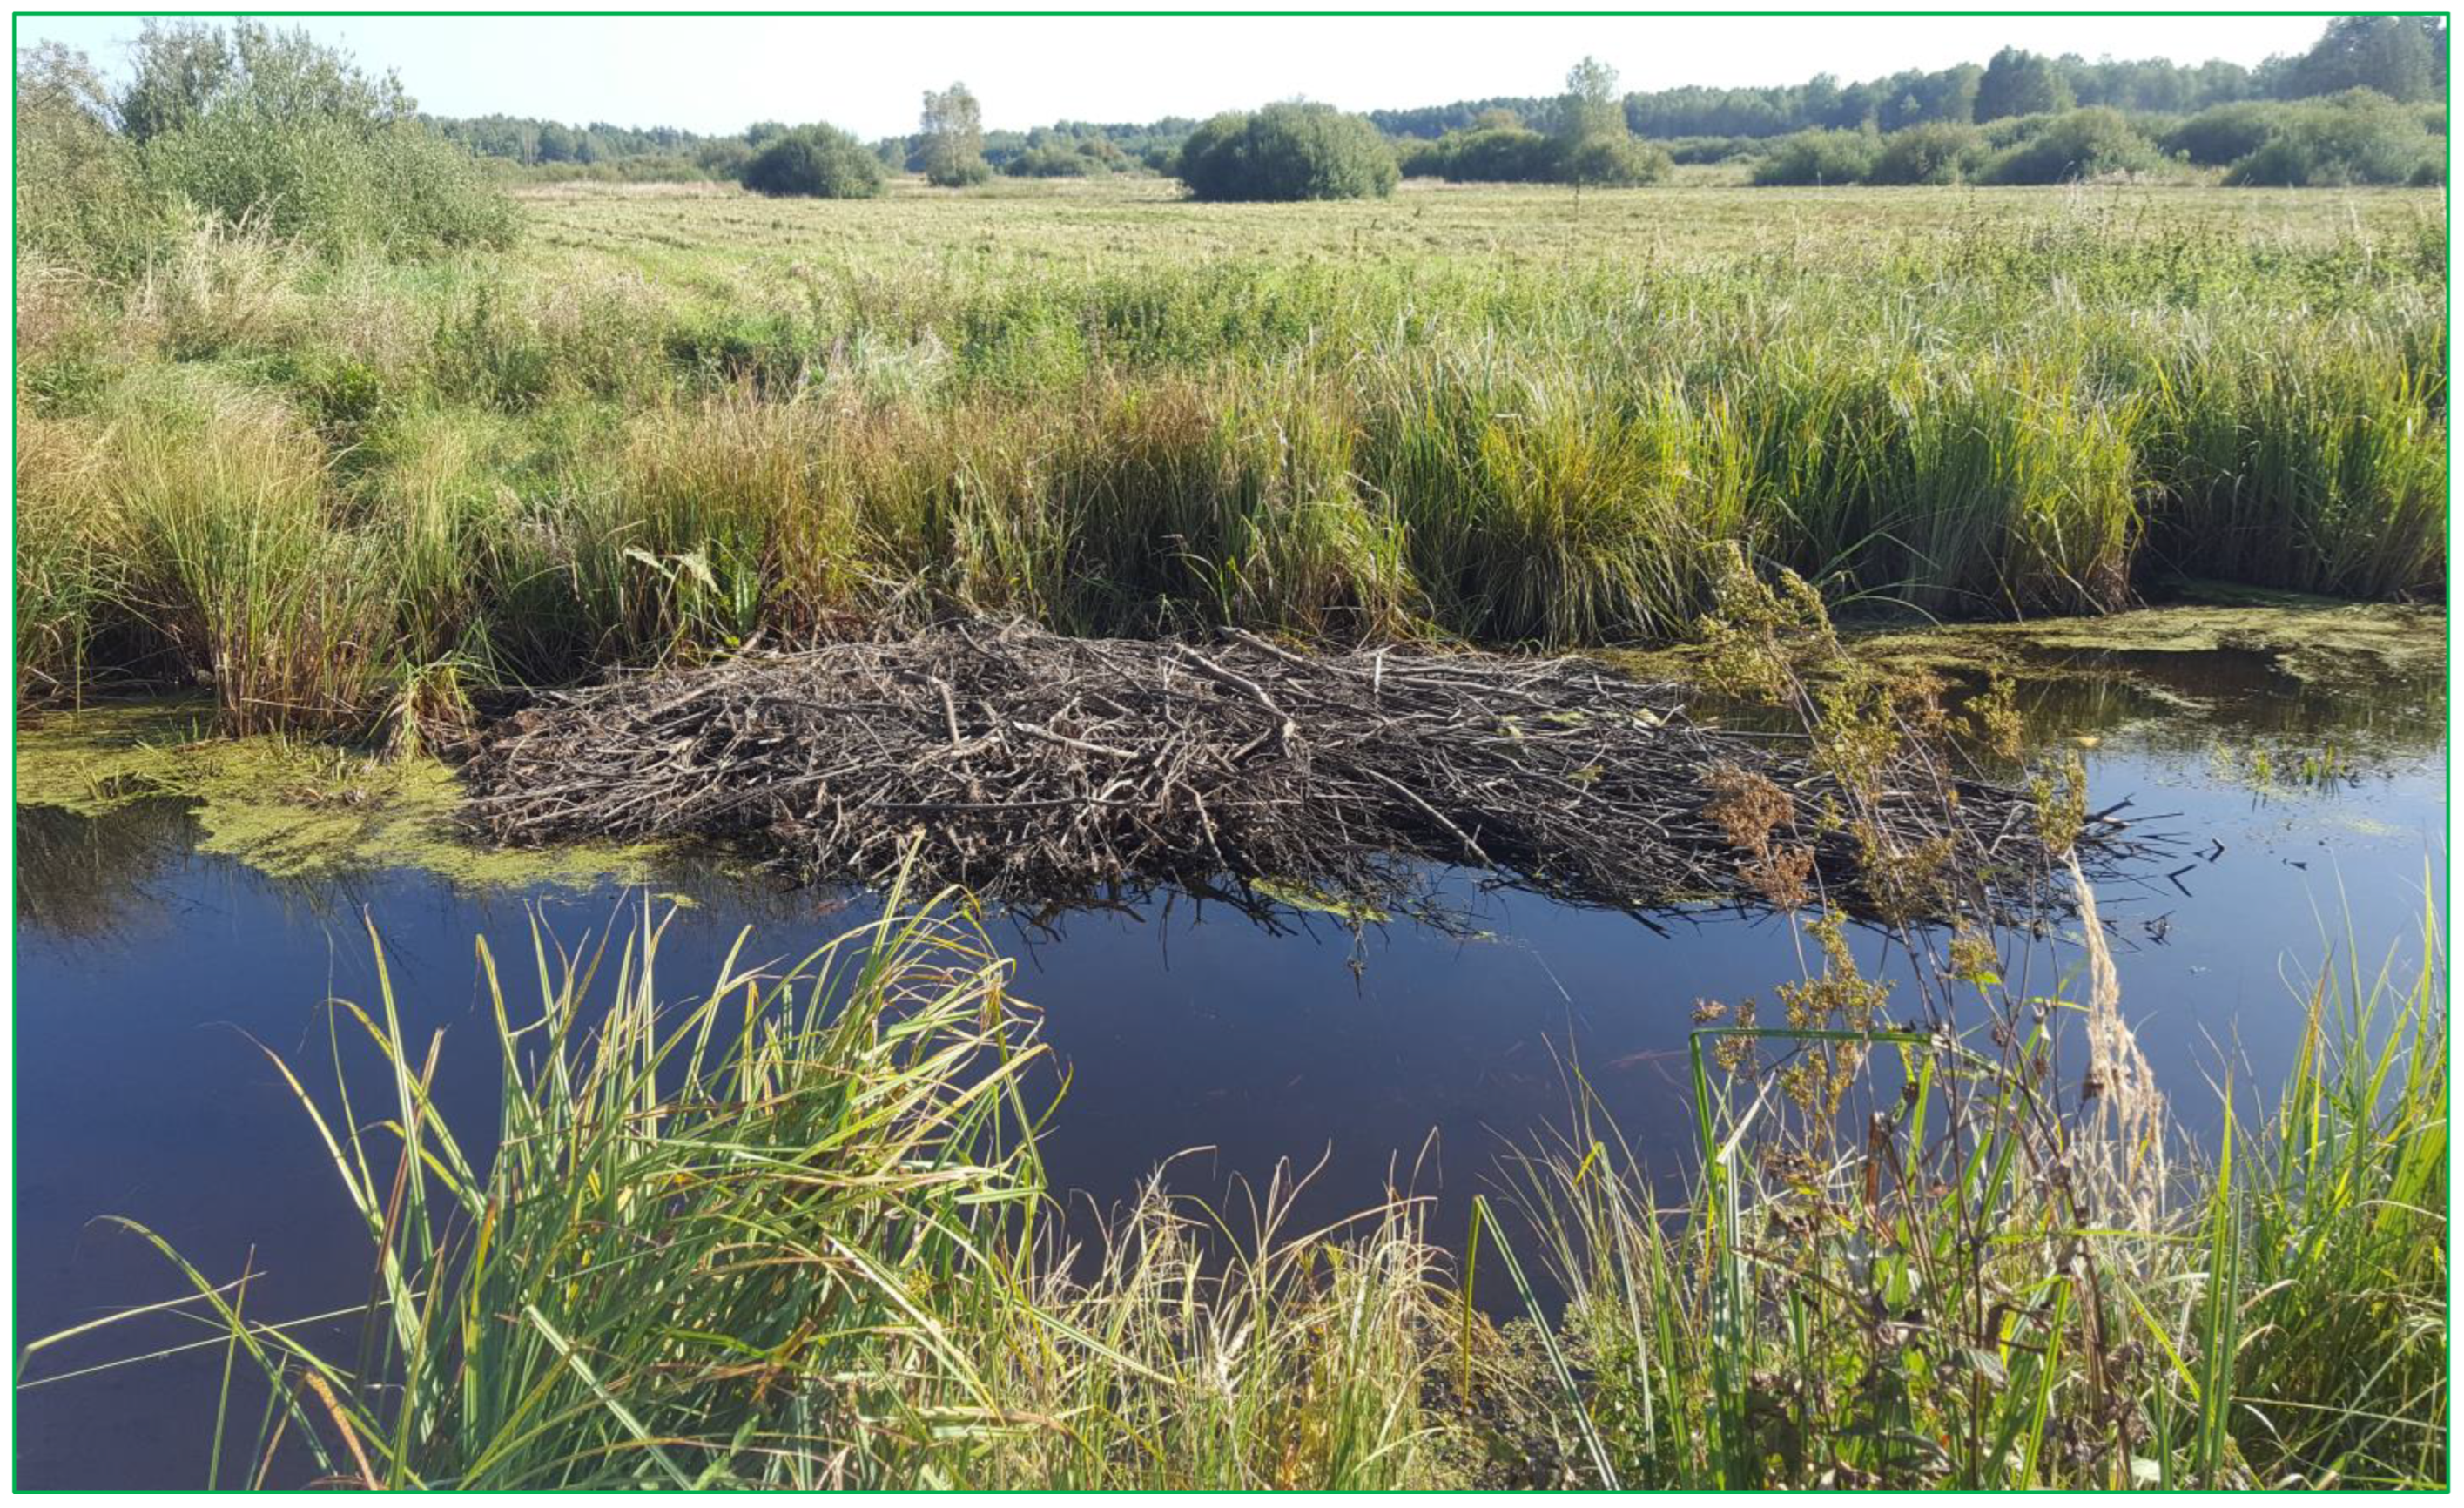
{"x":347,"y":474}
{"x":349,"y":450}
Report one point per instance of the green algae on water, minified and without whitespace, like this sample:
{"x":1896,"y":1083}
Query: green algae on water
{"x":2315,"y":641}
{"x":290,"y":807}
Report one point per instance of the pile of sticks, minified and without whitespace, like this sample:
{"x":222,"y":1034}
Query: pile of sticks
{"x":1038,"y":767}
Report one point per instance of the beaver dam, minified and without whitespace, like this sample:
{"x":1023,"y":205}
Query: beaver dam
{"x":1034,"y":766}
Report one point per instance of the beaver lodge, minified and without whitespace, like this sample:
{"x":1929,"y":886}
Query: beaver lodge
{"x":1039,"y":767}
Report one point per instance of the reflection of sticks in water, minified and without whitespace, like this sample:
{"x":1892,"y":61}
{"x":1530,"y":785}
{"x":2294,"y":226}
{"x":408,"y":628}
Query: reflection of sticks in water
{"x":1035,"y":765}
{"x":87,"y":877}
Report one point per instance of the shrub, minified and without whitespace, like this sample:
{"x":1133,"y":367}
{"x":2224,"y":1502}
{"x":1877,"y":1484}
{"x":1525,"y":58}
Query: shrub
{"x":2358,"y":137}
{"x":814,"y":162}
{"x":2011,"y":130}
{"x":1815,"y":158}
{"x":2084,"y":144}
{"x":1492,"y":155}
{"x":1937,"y":153}
{"x":1287,"y":152}
{"x":1710,"y":148}
{"x":2226,"y":134}
{"x":396,"y":188}
{"x":1055,"y":162}
{"x":1415,"y":158}
{"x":960,"y":173}
{"x":272,"y":128}
{"x":79,"y":195}
{"x":726,"y":159}
{"x":1615,"y":161}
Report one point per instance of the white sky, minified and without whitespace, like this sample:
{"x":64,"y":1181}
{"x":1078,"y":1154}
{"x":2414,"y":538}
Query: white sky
{"x":719,"y":74}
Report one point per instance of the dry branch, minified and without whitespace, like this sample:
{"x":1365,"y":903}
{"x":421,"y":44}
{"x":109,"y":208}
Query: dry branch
{"x":1039,"y":767}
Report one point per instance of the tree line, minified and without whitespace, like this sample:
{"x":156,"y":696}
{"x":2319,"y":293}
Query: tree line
{"x":2402,"y":56}
{"x":247,"y":121}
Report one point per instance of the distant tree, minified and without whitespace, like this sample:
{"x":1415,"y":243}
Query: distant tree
{"x":2402,"y":56}
{"x":1593,"y":145}
{"x":1497,"y":118}
{"x":817,"y":161}
{"x":1289,"y":151}
{"x":761,"y":133}
{"x":1590,"y":106}
{"x":953,"y":142}
{"x":1820,"y":99}
{"x":2020,"y":83}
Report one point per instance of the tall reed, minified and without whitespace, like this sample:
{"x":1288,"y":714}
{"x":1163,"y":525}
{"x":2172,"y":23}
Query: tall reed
{"x":235,"y":562}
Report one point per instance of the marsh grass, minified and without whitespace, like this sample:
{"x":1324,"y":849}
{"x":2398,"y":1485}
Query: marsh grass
{"x":795,"y":1235}
{"x":665,"y":426}
{"x":1824,"y":1316}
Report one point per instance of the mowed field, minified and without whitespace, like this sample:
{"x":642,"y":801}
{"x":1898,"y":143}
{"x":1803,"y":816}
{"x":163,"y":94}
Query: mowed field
{"x":669,"y":228}
{"x":670,"y":418}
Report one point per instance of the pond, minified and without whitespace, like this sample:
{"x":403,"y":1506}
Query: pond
{"x":149,"y":968}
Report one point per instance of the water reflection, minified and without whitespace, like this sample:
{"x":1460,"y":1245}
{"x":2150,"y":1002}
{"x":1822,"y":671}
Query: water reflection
{"x":148,"y":971}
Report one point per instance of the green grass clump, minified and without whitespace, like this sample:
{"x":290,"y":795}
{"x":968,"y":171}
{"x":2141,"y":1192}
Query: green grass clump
{"x":2001,"y":491}
{"x":1537,"y":508}
{"x":236,"y":564}
{"x":1185,"y":507}
{"x":794,"y":1236}
{"x":2320,"y":471}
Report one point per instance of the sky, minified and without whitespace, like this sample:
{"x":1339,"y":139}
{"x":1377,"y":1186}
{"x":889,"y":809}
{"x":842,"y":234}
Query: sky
{"x":719,"y":74}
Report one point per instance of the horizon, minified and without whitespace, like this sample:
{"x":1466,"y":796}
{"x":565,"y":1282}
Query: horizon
{"x":696,"y":73}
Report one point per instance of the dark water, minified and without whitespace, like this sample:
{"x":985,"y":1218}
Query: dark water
{"x":148,"y":971}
